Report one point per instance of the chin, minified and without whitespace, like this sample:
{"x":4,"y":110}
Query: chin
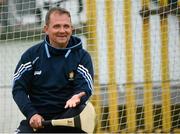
{"x":62,"y":44}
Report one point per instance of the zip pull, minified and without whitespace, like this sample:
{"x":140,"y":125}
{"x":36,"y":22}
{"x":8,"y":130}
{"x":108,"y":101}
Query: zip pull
{"x":67,"y":53}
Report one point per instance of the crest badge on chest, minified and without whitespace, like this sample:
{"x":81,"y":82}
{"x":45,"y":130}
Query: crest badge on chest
{"x":71,"y":76}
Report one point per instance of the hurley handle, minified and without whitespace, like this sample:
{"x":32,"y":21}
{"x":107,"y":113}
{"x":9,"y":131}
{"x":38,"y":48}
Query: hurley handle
{"x":46,"y":123}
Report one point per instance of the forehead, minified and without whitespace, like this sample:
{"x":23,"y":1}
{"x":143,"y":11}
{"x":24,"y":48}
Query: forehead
{"x":59,"y":17}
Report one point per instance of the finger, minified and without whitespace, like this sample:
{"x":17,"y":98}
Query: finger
{"x":70,"y":105}
{"x":66,"y":106}
{"x":36,"y":124}
{"x":33,"y":125}
{"x":74,"y":105}
{"x":40,"y":125}
{"x":82,"y":94}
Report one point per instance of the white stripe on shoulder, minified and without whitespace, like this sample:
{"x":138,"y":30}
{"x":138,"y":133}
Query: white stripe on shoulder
{"x":85,"y":73}
{"x":23,"y":68}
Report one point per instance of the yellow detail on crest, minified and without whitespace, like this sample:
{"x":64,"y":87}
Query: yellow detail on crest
{"x":71,"y":75}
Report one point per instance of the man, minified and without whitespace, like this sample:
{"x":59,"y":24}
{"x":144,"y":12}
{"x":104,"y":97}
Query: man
{"x":54,"y":78}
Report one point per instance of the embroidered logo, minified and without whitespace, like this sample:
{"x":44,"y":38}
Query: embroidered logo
{"x":37,"y":72}
{"x":71,"y":75}
{"x":70,"y":122}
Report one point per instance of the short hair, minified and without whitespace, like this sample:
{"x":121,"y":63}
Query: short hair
{"x":59,"y":10}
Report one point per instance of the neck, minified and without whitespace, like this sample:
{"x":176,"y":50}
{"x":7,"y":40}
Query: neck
{"x":58,"y":46}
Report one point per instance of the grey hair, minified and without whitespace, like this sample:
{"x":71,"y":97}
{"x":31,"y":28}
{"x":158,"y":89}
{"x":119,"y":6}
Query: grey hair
{"x":58,"y":10}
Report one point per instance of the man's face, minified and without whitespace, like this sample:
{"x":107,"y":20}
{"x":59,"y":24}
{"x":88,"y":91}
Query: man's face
{"x":59,"y":30}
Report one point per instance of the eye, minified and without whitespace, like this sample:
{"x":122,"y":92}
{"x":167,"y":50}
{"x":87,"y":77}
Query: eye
{"x":56,"y":26}
{"x":66,"y":26}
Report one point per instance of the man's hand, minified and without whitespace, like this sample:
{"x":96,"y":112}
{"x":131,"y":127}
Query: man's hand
{"x":75,"y":100}
{"x":35,"y":121}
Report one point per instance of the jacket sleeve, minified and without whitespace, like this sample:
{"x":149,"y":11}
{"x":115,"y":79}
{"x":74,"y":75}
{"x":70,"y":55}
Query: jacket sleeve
{"x":84,"y":77}
{"x":21,"y":86}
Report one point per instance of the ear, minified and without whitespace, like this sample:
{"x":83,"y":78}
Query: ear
{"x":73,"y":30}
{"x":45,"y":29}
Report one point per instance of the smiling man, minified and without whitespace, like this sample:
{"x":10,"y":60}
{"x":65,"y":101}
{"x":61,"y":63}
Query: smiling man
{"x":54,"y":78}
{"x":59,"y":28}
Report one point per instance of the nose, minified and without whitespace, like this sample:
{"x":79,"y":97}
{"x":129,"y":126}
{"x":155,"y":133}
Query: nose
{"x":61,"y":30}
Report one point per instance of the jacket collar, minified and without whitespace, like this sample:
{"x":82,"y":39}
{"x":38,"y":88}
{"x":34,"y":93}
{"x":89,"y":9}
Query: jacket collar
{"x":74,"y":44}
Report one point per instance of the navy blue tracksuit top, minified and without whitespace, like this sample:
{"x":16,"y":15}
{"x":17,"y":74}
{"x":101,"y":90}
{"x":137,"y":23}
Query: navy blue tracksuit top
{"x":46,"y":77}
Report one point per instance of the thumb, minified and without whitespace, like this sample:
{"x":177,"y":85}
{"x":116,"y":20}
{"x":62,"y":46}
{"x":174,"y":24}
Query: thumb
{"x":81,"y":94}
